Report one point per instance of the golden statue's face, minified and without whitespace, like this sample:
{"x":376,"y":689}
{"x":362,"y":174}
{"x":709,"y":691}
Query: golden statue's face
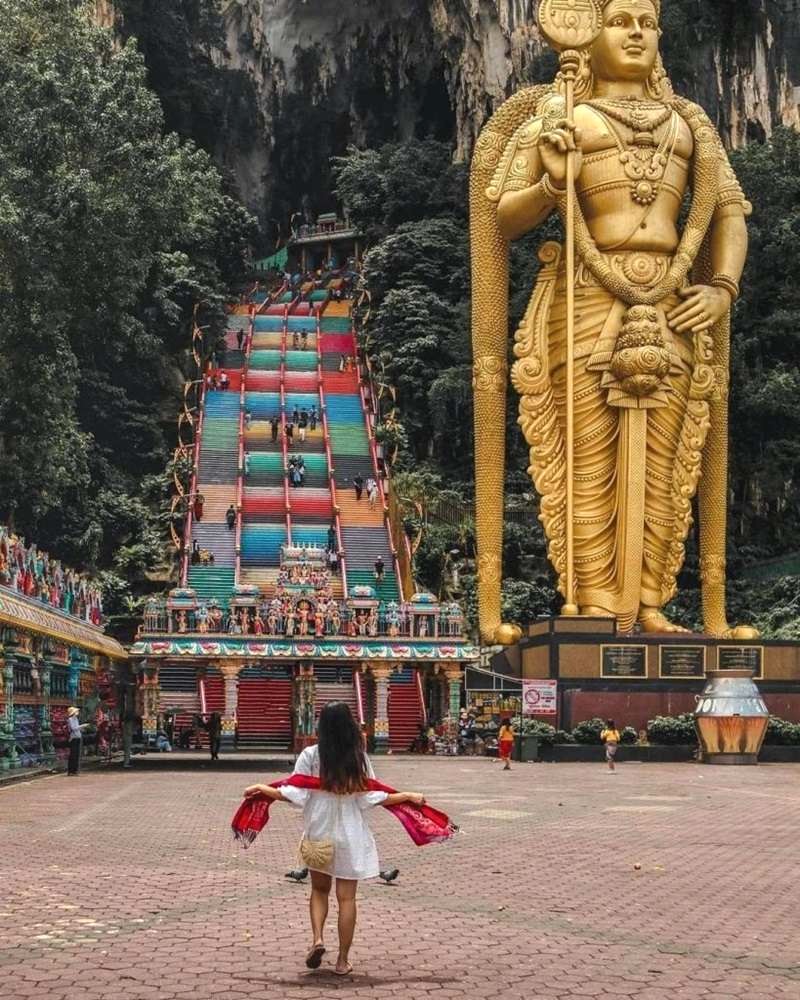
{"x":627,"y":47}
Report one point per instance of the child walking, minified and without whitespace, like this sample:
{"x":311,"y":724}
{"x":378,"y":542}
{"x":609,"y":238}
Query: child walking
{"x":333,"y":783}
{"x":505,"y":742}
{"x":610,"y":736}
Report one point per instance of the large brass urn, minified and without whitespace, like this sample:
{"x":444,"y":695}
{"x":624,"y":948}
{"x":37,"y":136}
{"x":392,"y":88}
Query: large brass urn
{"x":731,"y":718}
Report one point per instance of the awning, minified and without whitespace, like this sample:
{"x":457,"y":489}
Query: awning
{"x":21,"y":612}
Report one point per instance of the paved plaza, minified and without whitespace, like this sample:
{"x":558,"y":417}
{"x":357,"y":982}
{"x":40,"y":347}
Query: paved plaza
{"x":662,"y":882}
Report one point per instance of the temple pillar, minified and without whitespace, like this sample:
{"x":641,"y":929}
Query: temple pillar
{"x":150,"y":699}
{"x":305,"y":685}
{"x":381,"y":673}
{"x":8,"y":750}
{"x":230,"y":670}
{"x":46,"y":748}
{"x":454,"y":678}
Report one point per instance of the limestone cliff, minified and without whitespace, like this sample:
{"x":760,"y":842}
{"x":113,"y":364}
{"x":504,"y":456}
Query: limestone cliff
{"x":323,"y":73}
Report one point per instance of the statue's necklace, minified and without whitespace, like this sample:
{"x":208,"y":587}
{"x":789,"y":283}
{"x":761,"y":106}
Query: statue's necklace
{"x":643,"y":161}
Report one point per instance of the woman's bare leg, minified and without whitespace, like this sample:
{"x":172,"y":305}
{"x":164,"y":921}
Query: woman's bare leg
{"x":318,"y":904}
{"x":346,"y":896}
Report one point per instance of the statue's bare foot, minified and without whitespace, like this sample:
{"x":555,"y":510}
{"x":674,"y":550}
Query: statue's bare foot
{"x":653,"y":620}
{"x":743,"y":633}
{"x":591,"y":611}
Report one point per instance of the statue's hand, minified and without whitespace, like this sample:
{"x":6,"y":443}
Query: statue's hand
{"x":554,"y":145}
{"x":703,"y":306}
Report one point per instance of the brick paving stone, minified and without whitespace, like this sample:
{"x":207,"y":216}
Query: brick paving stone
{"x":563,"y":886}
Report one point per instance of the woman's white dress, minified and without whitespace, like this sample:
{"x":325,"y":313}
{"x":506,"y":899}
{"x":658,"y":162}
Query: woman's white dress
{"x":341,"y":819}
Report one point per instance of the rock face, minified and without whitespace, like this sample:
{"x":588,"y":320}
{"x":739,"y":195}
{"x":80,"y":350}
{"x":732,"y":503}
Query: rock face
{"x":324,"y":73}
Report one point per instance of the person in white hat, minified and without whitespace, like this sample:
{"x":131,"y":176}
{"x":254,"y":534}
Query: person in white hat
{"x":75,"y":740}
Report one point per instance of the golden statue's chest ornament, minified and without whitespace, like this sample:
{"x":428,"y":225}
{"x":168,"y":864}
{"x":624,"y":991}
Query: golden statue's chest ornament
{"x":644,"y":161}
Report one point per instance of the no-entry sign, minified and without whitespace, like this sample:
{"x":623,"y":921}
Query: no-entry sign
{"x":539,"y":697}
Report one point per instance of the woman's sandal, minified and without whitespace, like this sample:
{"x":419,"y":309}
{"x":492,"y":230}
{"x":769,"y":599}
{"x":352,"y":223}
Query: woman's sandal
{"x":346,"y":972}
{"x":314,"y":957}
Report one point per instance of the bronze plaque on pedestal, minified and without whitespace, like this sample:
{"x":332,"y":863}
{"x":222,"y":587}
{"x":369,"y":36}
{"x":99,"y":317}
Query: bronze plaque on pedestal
{"x":621,"y":662}
{"x":682,"y":662}
{"x":741,"y":658}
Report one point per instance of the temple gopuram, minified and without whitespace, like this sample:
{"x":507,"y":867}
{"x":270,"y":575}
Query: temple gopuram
{"x":53,"y":654}
{"x":296,"y":583}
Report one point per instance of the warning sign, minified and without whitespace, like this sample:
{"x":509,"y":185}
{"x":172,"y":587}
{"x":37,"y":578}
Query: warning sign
{"x":539,"y":697}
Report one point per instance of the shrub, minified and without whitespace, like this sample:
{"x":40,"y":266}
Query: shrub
{"x":546,"y":734}
{"x":589,"y":731}
{"x":782,"y":733}
{"x":672,"y":729}
{"x":629,"y":735}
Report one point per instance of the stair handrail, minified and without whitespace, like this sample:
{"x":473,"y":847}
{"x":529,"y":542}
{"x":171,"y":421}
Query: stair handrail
{"x":379,"y":480}
{"x":284,"y":445}
{"x":203,"y":702}
{"x":326,"y":437}
{"x":241,"y":475}
{"x":359,"y":696}
{"x":423,"y":709}
{"x":187,"y":528}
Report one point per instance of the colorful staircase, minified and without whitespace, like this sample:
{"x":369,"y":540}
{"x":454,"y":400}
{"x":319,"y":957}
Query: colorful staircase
{"x":265,"y":708}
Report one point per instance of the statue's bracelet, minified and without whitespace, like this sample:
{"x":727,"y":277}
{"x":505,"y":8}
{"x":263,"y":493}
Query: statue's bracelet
{"x":725,"y":281}
{"x":550,"y":189}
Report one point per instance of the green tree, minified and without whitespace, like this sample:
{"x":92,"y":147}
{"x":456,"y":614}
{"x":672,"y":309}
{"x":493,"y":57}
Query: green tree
{"x":110,"y":231}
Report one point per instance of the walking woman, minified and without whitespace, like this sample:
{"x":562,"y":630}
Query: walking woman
{"x":333,"y":783}
{"x":505,"y":742}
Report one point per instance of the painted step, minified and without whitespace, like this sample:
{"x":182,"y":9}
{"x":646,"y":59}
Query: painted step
{"x":358,"y":512}
{"x":217,"y":498}
{"x":266,"y":469}
{"x":267,"y":341}
{"x":177,"y":677}
{"x":405,"y":711}
{"x":265,"y":360}
{"x":345,"y":409}
{"x":347,"y":467}
{"x":363,"y":546}
{"x":261,"y":544}
{"x":334,"y":324}
{"x":258,"y":437}
{"x":306,"y":382}
{"x":337,"y":309}
{"x":311,"y":503}
{"x":348,"y":439}
{"x":268,"y":323}
{"x":221,"y":404}
{"x":311,"y":535}
{"x":260,"y":381}
{"x":262,"y":405}
{"x":212,"y":582}
{"x":217,"y":467}
{"x":300,"y":360}
{"x":264,"y":503}
{"x":338,"y":383}
{"x":326,"y":692}
{"x":386,"y":591}
{"x":217,"y":538}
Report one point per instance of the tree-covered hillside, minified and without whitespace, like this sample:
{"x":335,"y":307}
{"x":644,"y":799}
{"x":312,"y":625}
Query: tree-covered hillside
{"x":110,"y":231}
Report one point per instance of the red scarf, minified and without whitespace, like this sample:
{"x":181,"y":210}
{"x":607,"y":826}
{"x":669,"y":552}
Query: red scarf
{"x":424,"y":824}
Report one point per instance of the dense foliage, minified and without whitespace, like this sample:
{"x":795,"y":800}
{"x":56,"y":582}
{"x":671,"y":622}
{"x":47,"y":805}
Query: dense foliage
{"x":411,"y":201}
{"x":110,"y":231}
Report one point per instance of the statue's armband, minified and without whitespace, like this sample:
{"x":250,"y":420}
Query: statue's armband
{"x":519,"y":165}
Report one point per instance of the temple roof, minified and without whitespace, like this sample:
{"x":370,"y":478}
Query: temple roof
{"x":17,"y":611}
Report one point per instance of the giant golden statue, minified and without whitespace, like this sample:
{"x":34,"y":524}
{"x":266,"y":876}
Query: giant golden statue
{"x":637,"y":330}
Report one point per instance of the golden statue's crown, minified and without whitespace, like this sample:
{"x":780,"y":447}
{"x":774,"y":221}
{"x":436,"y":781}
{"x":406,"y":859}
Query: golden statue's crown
{"x":602,"y":4}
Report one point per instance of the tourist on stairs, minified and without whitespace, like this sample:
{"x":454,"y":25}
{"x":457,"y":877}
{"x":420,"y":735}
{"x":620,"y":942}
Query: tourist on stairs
{"x":230,"y":517}
{"x":332,"y":537}
{"x":333,"y":783}
{"x":275,"y":424}
{"x":358,"y":486}
{"x":372,"y":492}
{"x":313,"y":418}
{"x":380,"y":570}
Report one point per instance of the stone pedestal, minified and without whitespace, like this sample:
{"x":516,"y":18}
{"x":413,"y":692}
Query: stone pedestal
{"x":632,"y":678}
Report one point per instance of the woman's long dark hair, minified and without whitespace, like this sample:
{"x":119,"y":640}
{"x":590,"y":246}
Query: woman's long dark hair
{"x":342,"y":762}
